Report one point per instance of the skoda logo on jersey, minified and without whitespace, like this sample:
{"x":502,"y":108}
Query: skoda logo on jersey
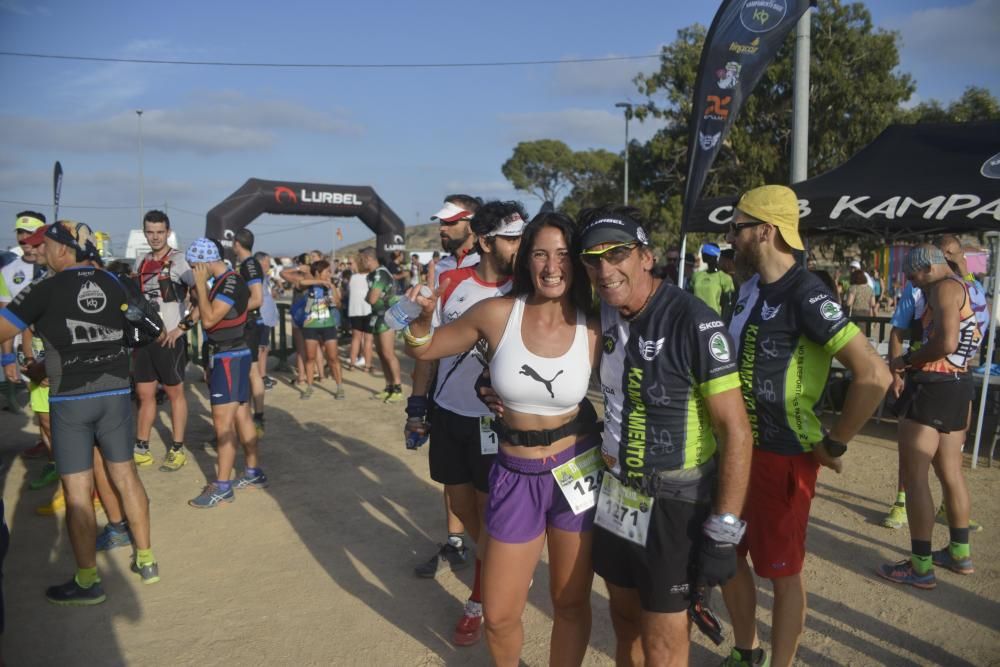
{"x":650,"y":348}
{"x":769,"y":313}
{"x":91,"y":298}
{"x":19,"y":277}
{"x":718,"y":347}
{"x":831,"y":311}
{"x":739,"y":307}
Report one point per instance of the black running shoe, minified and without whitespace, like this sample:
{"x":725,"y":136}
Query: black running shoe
{"x":458,"y":557}
{"x":72,"y":594}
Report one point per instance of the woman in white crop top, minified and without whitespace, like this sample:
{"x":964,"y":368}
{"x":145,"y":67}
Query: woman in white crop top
{"x":543,"y":347}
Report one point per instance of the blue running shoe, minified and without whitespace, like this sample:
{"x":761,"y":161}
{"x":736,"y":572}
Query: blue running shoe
{"x":903,"y":573}
{"x":943,"y":558}
{"x":109,"y":538}
{"x":251,"y":481}
{"x":212,"y":496}
{"x":72,"y":594}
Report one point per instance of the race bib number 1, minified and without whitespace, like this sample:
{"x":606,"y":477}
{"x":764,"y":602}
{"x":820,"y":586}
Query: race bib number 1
{"x":488,"y":441}
{"x":623,"y":511}
{"x":577,"y":479}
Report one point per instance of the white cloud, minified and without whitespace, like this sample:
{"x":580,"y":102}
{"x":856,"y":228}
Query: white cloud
{"x":212,"y":123}
{"x":611,"y":78}
{"x":580,"y":128}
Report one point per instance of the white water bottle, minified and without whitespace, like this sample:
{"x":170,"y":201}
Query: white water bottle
{"x":405,"y":311}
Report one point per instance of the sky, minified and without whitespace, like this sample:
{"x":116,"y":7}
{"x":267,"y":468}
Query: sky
{"x":412,"y":134}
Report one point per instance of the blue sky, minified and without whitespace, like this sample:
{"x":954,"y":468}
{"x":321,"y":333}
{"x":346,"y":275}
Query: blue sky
{"x":412,"y":134}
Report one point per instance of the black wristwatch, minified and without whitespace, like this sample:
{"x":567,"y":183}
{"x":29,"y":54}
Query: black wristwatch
{"x":185,"y":325}
{"x":833,"y":447}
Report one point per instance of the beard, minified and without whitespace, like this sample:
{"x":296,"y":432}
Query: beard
{"x":746,"y":263}
{"x":506,"y":266}
{"x":449,"y":244}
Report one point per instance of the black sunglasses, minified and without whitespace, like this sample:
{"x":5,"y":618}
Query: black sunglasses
{"x":736,"y":227}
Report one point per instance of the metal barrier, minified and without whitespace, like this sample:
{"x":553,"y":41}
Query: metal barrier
{"x":280,"y":341}
{"x":866,"y":323}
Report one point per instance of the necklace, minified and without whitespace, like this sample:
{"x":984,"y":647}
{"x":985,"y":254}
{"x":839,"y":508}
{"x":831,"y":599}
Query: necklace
{"x":629,"y":318}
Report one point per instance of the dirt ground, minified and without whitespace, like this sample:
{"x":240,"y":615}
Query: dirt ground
{"x":318,"y":569}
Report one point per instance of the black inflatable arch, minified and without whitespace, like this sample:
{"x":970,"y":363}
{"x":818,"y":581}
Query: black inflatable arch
{"x":257,"y":196}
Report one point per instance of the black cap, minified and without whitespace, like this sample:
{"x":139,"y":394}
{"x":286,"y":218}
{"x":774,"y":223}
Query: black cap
{"x":613,"y":229}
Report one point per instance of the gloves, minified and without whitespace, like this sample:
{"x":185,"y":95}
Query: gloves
{"x":716,"y":562}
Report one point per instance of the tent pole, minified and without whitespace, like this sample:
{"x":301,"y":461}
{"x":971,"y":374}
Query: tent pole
{"x":680,"y":263}
{"x":800,"y":100}
{"x":995,"y":250}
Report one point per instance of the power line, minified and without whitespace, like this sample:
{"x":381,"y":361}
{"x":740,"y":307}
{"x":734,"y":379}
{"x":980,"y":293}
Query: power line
{"x":221,"y":63}
{"x":41,"y":204}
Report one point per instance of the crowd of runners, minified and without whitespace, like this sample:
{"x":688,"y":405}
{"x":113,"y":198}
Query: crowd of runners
{"x":701,"y":473}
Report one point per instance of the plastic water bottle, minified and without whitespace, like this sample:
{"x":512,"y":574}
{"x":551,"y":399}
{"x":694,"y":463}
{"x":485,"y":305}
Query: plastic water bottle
{"x":405,"y":311}
{"x":416,"y":440}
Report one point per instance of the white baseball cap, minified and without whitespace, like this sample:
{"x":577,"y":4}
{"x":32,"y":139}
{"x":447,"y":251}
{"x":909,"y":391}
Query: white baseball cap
{"x":450,"y":213}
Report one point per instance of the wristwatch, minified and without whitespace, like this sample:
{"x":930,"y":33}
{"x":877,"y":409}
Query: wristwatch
{"x":833,"y":447}
{"x":727,"y":528}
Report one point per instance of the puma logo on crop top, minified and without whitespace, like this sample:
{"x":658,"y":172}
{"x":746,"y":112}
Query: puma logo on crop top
{"x":530,"y":372}
{"x":535,"y":385}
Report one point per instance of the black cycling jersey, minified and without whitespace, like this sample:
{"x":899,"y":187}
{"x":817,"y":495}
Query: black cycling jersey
{"x":228,"y":333}
{"x":656,"y":371}
{"x":253,"y":274}
{"x":78,"y":314}
{"x":787,"y":333}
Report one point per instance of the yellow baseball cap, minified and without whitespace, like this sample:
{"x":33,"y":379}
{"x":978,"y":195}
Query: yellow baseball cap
{"x":776,"y":205}
{"x":27,"y":223}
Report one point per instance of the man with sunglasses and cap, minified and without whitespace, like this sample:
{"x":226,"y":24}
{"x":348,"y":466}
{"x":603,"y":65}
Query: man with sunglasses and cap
{"x":15,"y":276}
{"x":667,"y":519}
{"x":459,"y":242}
{"x":78,"y":312}
{"x":788,"y":327}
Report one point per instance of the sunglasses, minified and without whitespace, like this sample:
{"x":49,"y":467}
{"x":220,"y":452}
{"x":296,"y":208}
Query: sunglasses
{"x":614,"y":255}
{"x":452,"y":223}
{"x":736,"y":227}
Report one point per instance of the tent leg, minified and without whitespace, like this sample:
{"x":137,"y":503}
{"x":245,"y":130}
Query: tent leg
{"x":995,"y":250}
{"x":680,"y":263}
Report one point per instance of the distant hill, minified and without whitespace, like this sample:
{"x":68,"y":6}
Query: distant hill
{"x":418,"y":237}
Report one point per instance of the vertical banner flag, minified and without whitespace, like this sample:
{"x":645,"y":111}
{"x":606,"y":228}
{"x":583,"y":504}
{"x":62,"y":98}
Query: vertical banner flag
{"x":744,"y":37}
{"x":340,"y":234}
{"x":56,"y":190}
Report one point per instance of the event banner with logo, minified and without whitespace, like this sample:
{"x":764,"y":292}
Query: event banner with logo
{"x":742,"y":41}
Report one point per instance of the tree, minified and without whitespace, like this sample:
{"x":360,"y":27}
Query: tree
{"x":548,"y":168}
{"x":974,"y":104}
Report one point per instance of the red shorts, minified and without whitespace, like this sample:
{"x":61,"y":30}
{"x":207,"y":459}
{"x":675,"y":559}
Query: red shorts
{"x":777,"y":512}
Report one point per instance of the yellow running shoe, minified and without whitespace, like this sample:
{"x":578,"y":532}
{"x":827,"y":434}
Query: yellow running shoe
{"x":174,"y":460}
{"x":942,"y":517}
{"x":896,"y":517}
{"x":142,"y":457}
{"x":58,"y":504}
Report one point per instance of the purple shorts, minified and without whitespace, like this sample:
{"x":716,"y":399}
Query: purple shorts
{"x":525,"y":498}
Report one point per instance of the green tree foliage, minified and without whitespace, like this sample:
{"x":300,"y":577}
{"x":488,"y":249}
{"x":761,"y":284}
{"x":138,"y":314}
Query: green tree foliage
{"x":974,"y":104}
{"x":549,"y":169}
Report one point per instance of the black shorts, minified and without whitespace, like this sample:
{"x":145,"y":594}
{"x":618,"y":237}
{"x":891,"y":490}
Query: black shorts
{"x":157,"y":363}
{"x":321,"y":334}
{"x":454,"y":455}
{"x":251,"y":336}
{"x":362,"y":323}
{"x":263,"y":336}
{"x":76,"y":423}
{"x":664,"y":569}
{"x":943,"y":404}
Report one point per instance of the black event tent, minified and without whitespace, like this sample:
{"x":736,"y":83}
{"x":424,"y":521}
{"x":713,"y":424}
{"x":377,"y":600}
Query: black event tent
{"x":912,"y":180}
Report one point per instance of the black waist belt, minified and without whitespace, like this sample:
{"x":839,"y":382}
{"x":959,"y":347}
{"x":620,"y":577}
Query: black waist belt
{"x":585,"y":422}
{"x":693,"y":485}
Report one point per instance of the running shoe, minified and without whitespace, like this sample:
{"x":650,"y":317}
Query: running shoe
{"x":734,"y":660}
{"x":269,"y":382}
{"x":48,"y":475}
{"x":150,"y":572}
{"x":306,"y":393}
{"x":174,"y":460}
{"x":458,"y":557}
{"x":36,"y":451}
{"x":382,"y":395}
{"x":470,"y":627}
{"x":72,"y":594}
{"x":896,"y":518}
{"x":248,"y":481}
{"x":943,"y":558}
{"x":340,"y":395}
{"x":394,"y":397}
{"x":258,"y":425}
{"x":109,"y":538}
{"x":212,"y":496}
{"x":142,"y":457}
{"x":58,"y":504}
{"x":942,"y":517}
{"x":903,"y":573}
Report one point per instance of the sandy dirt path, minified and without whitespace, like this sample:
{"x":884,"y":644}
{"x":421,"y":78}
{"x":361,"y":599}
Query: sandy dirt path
{"x":317,"y":570}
